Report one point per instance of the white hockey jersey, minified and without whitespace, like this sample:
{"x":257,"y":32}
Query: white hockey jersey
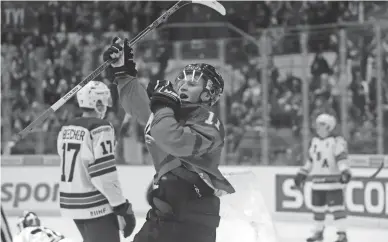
{"x":39,"y":234}
{"x":89,"y":186}
{"x":327,"y":159}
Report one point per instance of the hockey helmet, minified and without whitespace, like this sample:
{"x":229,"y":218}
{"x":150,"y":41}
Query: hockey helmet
{"x":325,"y":124}
{"x":95,"y":95}
{"x":27,"y":220}
{"x":213,"y":82}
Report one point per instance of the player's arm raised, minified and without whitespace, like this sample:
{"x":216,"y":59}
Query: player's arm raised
{"x":176,"y":139}
{"x":132,"y":95}
{"x":180,"y":140}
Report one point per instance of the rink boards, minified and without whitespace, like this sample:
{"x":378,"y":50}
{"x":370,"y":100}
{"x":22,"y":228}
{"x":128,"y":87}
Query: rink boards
{"x":36,"y":188}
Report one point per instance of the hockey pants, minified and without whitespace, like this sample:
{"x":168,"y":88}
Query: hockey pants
{"x":155,"y":230}
{"x":102,"y":229}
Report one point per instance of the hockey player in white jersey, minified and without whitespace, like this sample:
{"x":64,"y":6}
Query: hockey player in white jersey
{"x":90,"y":192}
{"x":328,"y":167}
{"x":31,"y":230}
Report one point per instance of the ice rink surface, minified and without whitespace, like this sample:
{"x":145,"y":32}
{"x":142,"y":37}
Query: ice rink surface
{"x":287,"y":231}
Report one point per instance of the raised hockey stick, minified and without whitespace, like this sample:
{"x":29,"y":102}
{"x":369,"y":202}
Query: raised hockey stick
{"x":211,"y":4}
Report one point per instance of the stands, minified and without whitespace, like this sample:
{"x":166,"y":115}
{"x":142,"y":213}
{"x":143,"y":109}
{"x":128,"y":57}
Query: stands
{"x":59,"y":43}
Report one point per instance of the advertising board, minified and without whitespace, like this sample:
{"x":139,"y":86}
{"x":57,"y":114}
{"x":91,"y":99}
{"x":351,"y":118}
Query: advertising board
{"x":363,"y":197}
{"x":30,"y":188}
{"x":36,"y":188}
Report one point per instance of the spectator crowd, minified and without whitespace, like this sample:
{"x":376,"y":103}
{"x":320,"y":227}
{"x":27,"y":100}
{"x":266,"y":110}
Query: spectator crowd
{"x":53,"y":45}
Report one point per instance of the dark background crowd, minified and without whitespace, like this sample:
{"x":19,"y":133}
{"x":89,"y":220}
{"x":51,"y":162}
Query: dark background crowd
{"x":48,"y":47}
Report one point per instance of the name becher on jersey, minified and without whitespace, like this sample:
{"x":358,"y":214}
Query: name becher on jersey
{"x":73,"y":134}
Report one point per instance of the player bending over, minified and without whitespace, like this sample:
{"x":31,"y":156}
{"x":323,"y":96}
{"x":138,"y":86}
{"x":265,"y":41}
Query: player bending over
{"x":90,"y":192}
{"x":329,"y":169}
{"x":30,"y":230}
{"x":185,"y":140}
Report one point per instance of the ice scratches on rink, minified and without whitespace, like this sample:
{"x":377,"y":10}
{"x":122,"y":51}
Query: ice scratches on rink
{"x":245,"y":211}
{"x":293,"y":232}
{"x":287,"y":231}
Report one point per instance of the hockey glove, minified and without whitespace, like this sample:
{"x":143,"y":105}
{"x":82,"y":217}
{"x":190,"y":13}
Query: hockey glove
{"x":299,"y":180}
{"x":126,"y":218}
{"x":345,"y":177}
{"x":123,"y":65}
{"x":165,"y":96}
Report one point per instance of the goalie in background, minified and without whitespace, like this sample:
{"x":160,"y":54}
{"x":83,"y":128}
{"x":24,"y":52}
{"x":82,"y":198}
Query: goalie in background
{"x":185,"y":140}
{"x":329,"y":169}
{"x":31,"y":230}
{"x":90,"y":191}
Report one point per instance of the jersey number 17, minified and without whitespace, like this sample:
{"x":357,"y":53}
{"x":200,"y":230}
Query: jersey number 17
{"x":72,"y":150}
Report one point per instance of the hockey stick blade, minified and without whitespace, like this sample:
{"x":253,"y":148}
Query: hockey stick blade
{"x":212,"y":4}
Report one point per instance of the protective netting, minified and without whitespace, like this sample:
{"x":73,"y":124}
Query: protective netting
{"x":244,"y":215}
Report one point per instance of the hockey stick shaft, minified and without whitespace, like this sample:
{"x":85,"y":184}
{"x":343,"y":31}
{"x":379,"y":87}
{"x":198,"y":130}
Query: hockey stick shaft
{"x":378,"y":170}
{"x":58,"y":104}
{"x":216,"y":6}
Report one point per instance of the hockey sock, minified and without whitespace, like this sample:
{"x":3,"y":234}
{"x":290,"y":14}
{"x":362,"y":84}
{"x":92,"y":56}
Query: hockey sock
{"x":319,"y":220}
{"x":319,"y":226}
{"x":340,"y":220}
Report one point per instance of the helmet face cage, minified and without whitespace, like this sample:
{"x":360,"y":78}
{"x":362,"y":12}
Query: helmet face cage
{"x":322,"y":129}
{"x":29,"y":219}
{"x":93,"y":93}
{"x":325,"y":124}
{"x":213,"y":82}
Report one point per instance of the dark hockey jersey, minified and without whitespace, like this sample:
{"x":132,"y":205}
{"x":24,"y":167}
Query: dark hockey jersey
{"x":194,"y":141}
{"x":89,"y":184}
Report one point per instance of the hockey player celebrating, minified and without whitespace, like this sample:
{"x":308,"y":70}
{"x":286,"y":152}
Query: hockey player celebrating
{"x":185,"y":140}
{"x":90,"y":192}
{"x":31,"y":230}
{"x":329,"y":169}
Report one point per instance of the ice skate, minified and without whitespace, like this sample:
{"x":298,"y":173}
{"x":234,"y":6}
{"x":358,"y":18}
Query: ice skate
{"x":342,"y":237}
{"x":316,"y":237}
